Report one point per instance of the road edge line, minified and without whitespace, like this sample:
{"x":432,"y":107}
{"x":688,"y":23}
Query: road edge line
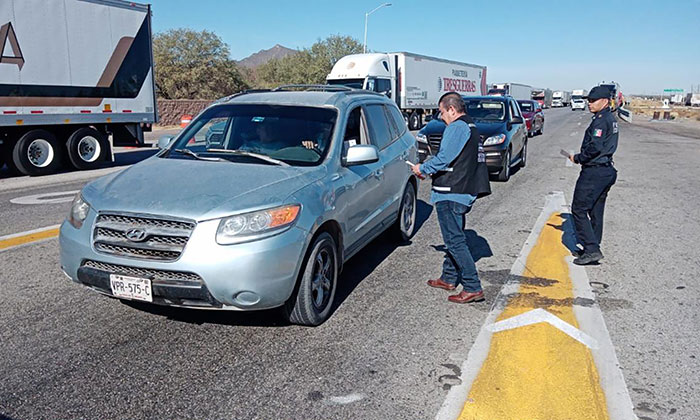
{"x":457,"y":395}
{"x":28,"y":233}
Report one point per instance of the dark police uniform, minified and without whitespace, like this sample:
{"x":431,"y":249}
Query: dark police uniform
{"x":597,"y":176}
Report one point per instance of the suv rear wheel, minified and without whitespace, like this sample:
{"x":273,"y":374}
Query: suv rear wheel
{"x":313,"y":300}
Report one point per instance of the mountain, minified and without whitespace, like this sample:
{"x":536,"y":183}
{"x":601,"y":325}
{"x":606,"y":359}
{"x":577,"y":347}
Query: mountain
{"x":263,"y":56}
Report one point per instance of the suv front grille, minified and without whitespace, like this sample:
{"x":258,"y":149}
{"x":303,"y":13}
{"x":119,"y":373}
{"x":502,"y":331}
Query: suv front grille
{"x":162,"y":239}
{"x":434,"y":141}
{"x":162,"y":276}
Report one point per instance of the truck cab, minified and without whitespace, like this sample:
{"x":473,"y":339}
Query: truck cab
{"x":373,"y":72}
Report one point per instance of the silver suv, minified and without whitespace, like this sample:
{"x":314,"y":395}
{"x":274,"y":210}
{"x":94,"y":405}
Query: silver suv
{"x":256,"y":204}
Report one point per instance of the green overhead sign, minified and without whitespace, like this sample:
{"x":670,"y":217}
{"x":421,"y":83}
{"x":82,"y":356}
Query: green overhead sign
{"x":673,"y":90}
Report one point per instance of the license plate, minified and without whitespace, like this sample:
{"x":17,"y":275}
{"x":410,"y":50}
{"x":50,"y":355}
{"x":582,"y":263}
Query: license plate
{"x":131,"y":287}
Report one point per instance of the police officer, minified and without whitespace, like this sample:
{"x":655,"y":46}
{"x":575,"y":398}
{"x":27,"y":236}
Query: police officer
{"x":597,"y":176}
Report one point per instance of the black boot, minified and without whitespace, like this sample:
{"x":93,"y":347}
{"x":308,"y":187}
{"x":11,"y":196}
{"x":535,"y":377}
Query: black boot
{"x":588,"y":258}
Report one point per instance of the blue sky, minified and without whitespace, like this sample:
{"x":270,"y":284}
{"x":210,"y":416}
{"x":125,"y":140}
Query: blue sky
{"x":645,"y":45}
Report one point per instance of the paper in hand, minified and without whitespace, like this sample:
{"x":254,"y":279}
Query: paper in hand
{"x":564,"y":153}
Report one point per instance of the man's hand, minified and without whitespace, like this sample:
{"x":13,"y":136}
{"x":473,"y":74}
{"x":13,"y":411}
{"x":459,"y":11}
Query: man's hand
{"x":571,"y":158}
{"x":309,"y":144}
{"x":416,"y":171}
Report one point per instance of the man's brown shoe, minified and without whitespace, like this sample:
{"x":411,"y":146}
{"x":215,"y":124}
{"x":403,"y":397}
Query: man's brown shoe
{"x":466,"y":297}
{"x":441,"y":284}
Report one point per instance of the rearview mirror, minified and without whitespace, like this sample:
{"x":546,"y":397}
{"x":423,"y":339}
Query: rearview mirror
{"x":360,"y":154}
{"x":164,"y":141}
{"x":516,"y":120}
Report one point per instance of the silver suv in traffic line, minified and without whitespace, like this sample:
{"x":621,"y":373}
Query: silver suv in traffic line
{"x":256,"y":204}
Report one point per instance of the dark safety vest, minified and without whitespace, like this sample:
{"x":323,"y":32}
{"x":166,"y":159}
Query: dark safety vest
{"x":467,"y":174}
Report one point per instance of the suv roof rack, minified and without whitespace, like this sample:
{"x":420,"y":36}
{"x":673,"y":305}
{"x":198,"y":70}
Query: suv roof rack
{"x":311,"y":87}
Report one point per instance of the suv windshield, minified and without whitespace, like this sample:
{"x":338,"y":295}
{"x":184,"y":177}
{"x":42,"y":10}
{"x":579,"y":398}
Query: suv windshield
{"x":526,"y":106}
{"x":351,"y":83}
{"x":291,"y":134}
{"x":486,"y":109}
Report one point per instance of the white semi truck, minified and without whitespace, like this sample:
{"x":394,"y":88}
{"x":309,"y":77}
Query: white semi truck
{"x":73,"y":74}
{"x":577,"y":101}
{"x":415,"y":82}
{"x":516,"y":90}
{"x":561,"y":98}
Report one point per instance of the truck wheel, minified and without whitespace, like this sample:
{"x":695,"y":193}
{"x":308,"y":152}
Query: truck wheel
{"x":313,"y":300}
{"x":414,"y":121}
{"x":405,"y":225}
{"x":37,"y":153}
{"x":504,"y":175}
{"x":87,"y":148}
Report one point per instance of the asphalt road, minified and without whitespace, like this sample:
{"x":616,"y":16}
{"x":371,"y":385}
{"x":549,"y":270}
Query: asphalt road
{"x":393,"y":347}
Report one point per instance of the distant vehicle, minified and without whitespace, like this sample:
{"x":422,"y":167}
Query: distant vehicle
{"x":534,"y":117}
{"x":617,"y":100}
{"x":577,"y":101}
{"x":71,"y":76}
{"x":695,"y":99}
{"x":543,"y":96}
{"x":678,"y":99}
{"x":324,"y":173}
{"x":502,"y":129}
{"x":515,"y":90}
{"x":561,"y":98}
{"x":415,"y":82}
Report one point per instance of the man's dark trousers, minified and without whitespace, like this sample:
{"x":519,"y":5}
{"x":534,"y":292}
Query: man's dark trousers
{"x":588,"y":205}
{"x":458,"y":267}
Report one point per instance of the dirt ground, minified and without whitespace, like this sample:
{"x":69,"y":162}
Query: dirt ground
{"x":685,"y":121}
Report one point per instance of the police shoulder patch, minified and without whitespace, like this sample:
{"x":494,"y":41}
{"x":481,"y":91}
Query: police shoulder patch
{"x":598,"y":132}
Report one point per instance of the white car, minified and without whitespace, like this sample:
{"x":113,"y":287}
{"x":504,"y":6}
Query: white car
{"x":578,"y":104}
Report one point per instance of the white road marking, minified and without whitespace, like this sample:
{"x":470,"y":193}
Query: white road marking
{"x":590,"y":319}
{"x":46,"y":198}
{"x":573,"y":133}
{"x":539,"y":315}
{"x":347,"y":399}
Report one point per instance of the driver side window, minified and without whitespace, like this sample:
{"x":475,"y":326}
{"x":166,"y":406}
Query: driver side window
{"x":355,"y":129}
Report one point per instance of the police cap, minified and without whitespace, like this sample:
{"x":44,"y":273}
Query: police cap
{"x":598,"y":92}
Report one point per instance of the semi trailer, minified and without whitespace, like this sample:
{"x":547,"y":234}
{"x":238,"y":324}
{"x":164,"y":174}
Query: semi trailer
{"x":415,"y":82}
{"x":76,"y":79}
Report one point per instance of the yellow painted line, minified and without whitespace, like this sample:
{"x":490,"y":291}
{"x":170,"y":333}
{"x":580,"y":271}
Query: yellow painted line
{"x":537,"y":372}
{"x":15,"y":240}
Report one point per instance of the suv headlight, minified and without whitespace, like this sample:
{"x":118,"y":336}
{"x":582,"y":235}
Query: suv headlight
{"x":493,"y":140}
{"x":78,"y":211}
{"x":256,"y":225}
{"x":422,"y":138}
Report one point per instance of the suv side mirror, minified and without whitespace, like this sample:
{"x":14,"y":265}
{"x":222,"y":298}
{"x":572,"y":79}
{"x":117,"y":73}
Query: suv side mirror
{"x":516,"y":120}
{"x":164,"y":141}
{"x":360,"y":154}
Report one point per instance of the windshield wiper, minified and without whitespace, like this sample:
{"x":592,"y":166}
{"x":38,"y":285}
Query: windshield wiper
{"x":250,"y":154}
{"x":188,"y":152}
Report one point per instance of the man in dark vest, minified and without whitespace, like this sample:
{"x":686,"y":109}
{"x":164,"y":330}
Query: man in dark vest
{"x":459,"y":176}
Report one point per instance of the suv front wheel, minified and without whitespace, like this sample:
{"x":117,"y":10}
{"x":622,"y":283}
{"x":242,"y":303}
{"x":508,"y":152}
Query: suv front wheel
{"x":313,"y":300}
{"x":405,"y":225}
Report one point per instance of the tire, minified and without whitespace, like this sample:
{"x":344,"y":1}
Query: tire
{"x":539,"y":132}
{"x":523,"y":156}
{"x":504,"y":175}
{"x":87,"y":148}
{"x":414,"y":121}
{"x":312,"y":302}
{"x":405,"y":226}
{"x":37,"y":152}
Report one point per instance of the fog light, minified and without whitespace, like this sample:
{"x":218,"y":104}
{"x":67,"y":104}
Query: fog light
{"x":246,"y":298}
